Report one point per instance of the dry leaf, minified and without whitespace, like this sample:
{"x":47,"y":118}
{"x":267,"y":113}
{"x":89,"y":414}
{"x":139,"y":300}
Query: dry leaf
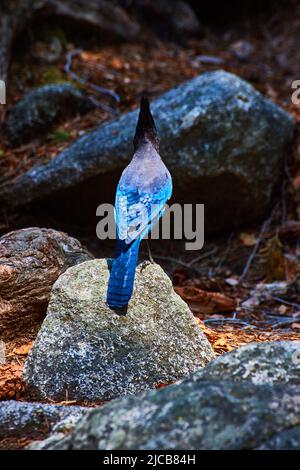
{"x":11,"y":381}
{"x":23,"y":350}
{"x":162,"y":385}
{"x":283,"y":309}
{"x":291,"y":267}
{"x":274,"y":262}
{"x":201,"y":301}
{"x":248,"y":239}
{"x":230,"y":338}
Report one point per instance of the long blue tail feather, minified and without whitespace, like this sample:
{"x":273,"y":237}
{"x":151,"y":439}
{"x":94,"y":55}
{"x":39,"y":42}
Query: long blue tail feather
{"x":121,"y":280}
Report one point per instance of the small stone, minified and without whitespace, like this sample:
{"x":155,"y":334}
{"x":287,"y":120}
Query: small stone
{"x":40,"y":108}
{"x":231,"y":281}
{"x":242,"y":49}
{"x":31,"y":260}
{"x":23,"y":419}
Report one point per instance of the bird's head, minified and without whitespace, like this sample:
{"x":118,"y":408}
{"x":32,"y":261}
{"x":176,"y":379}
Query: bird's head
{"x":145,"y":129}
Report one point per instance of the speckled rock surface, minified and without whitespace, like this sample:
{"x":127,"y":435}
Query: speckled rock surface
{"x":23,"y":419}
{"x":34,"y":114}
{"x":194,"y":414}
{"x":241,"y":400}
{"x":285,"y":440}
{"x":211,"y":157}
{"x":259,"y":363}
{"x":31,"y":259}
{"x":88,"y":351}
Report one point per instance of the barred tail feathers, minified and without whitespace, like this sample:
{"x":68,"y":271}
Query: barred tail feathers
{"x":121,"y":280}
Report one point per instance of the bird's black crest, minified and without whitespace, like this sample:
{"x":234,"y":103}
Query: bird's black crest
{"x":145,"y":129}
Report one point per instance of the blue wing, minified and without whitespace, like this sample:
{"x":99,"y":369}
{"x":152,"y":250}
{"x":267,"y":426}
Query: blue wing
{"x":136,"y":211}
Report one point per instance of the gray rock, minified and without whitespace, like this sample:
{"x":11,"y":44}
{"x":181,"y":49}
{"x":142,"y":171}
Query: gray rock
{"x":194,"y":414}
{"x":259,"y":363}
{"x":92,"y":353}
{"x":39,"y":109}
{"x":285,"y":440}
{"x":53,"y":440}
{"x":222,"y":141}
{"x":183,"y":18}
{"x":102,"y":17}
{"x":31,"y":260}
{"x":58,"y":432}
{"x":175,"y":17}
{"x":242,"y":400}
{"x":21,"y":418}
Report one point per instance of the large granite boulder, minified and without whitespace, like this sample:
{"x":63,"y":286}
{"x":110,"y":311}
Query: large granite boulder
{"x":247,"y":404}
{"x":222,"y":141}
{"x":86,"y":351}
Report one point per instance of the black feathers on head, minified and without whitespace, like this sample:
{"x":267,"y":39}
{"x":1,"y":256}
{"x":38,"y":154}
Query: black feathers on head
{"x":145,"y":129}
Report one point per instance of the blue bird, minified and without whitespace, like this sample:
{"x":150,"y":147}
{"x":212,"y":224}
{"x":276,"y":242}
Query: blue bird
{"x":144,"y":188}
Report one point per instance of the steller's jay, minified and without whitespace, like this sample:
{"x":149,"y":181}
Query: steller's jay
{"x":144,"y":187}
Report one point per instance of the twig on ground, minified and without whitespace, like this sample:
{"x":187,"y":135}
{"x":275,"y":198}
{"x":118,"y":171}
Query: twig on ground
{"x":228,"y":320}
{"x":103,"y":106}
{"x":283,"y":202}
{"x":287,"y":178}
{"x":149,"y":251}
{"x":278,"y":316}
{"x":97,"y":88}
{"x":263,"y":229}
{"x":102,"y":68}
{"x":203,"y":256}
{"x":280,"y":324}
{"x":26,"y":148}
{"x":223,"y":258}
{"x":184,"y":264}
{"x":176,"y":261}
{"x":286,"y":302}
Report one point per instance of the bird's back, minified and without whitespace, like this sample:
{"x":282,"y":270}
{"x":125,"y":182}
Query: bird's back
{"x":146,"y":172}
{"x":143,"y":189}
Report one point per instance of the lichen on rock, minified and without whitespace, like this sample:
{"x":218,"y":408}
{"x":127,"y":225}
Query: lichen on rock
{"x":259,"y":363}
{"x":86,"y":351}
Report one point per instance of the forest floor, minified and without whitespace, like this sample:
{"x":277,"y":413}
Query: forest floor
{"x":245,"y":285}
